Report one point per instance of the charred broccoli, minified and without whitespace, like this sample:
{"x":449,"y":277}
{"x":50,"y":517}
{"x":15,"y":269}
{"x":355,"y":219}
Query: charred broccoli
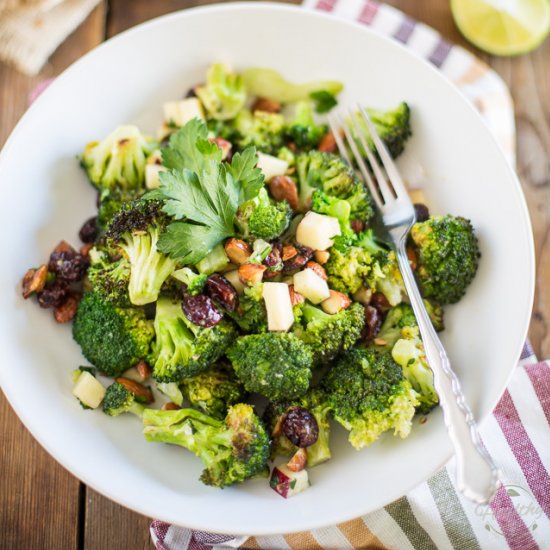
{"x":368,"y":395}
{"x":448,"y":257}
{"x":112,"y":339}
{"x":135,"y":232}
{"x":109,"y":275}
{"x":273,"y":364}
{"x":232,"y":450}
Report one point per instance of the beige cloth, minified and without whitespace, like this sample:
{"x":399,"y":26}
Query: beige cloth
{"x":31,"y":30}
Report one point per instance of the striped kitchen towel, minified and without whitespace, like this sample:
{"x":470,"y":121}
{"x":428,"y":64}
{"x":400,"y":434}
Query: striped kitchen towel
{"x":434,"y":515}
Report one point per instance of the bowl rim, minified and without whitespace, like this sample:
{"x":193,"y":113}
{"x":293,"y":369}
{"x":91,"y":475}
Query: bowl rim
{"x":25,"y":415}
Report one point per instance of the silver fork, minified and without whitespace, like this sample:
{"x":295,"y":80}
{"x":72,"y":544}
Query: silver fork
{"x":477,"y":475}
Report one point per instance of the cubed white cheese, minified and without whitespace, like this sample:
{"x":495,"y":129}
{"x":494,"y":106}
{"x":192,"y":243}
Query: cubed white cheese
{"x":233,"y":277}
{"x":152,"y":175}
{"x":181,"y":112}
{"x":317,"y":231}
{"x":288,"y":483}
{"x":311,"y":286}
{"x":271,"y":166}
{"x":278,"y":306}
{"x":88,"y":390}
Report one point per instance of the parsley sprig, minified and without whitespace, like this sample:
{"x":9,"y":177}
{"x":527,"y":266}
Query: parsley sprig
{"x":202,"y":192}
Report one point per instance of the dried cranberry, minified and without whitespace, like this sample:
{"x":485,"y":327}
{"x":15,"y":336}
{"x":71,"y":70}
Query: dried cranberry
{"x":89,"y":231}
{"x":221,"y":290}
{"x":54,"y":294}
{"x":300,"y":426}
{"x":201,"y":310}
{"x":300,"y":260}
{"x":191,"y":92}
{"x":380,"y":302}
{"x":373,"y":322}
{"x":421,"y":211}
{"x":68,"y":265}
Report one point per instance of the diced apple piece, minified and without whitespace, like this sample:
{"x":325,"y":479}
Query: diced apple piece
{"x":152,"y":179}
{"x":311,"y":286}
{"x":288,"y":483}
{"x":336,"y":302}
{"x":271,"y":166}
{"x":316,"y":231}
{"x":181,"y":112}
{"x":235,"y":280}
{"x":88,"y":390}
{"x":278,"y":306}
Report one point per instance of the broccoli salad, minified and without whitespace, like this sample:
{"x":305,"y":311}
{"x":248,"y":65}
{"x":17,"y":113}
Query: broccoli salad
{"x":232,"y":291}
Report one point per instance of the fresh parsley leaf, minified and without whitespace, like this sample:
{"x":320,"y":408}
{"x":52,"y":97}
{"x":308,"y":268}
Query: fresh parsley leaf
{"x":202,"y":191}
{"x":189,"y":148}
{"x":324,"y":101}
{"x":189,"y":243}
{"x":244,"y":171}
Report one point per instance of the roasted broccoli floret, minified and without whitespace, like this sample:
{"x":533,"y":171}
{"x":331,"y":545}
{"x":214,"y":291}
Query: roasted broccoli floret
{"x":118,"y":161}
{"x":396,"y":319}
{"x":303,"y":131}
{"x":135,"y":231}
{"x":368,"y":395}
{"x":408,"y":352}
{"x":224,"y":93}
{"x":273,"y":364}
{"x":448,"y":257}
{"x":263,"y":218}
{"x":183,"y":349}
{"x":327,"y":334}
{"x":330,"y":174}
{"x":214,"y":391}
{"x":316,"y":403}
{"x":109,"y":275}
{"x":112,"y":339}
{"x":251,"y":315}
{"x":263,"y":130}
{"x":193,"y":281}
{"x":118,"y":399}
{"x":110,"y":201}
{"x":232,"y":450}
{"x":393,"y":126}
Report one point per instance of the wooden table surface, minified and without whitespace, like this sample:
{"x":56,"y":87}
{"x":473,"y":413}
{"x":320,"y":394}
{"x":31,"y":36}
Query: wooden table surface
{"x":41,"y":504}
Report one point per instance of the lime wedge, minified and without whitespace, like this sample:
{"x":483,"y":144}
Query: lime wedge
{"x":503,"y":27}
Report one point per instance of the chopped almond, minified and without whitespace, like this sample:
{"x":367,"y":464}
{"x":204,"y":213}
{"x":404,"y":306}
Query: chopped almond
{"x":321,"y":256}
{"x":170,"y":407}
{"x":413,"y":258}
{"x":295,"y":297}
{"x":289,"y":251}
{"x":298,"y":462}
{"x":336,"y":302}
{"x":67,"y":310}
{"x":250,"y":274}
{"x":319,"y":269}
{"x":34,"y":280}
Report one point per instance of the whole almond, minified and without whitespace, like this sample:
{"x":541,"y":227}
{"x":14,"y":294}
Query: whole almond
{"x":170,"y":407}
{"x":328,"y":143}
{"x":413,"y":258}
{"x":266,"y":105}
{"x":283,"y":188}
{"x":144,"y":370}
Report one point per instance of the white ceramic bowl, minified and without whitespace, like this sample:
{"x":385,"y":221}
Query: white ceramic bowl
{"x":46,"y":197}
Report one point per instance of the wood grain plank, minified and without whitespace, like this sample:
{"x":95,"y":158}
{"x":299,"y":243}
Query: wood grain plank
{"x":109,"y":526}
{"x":39,"y":500}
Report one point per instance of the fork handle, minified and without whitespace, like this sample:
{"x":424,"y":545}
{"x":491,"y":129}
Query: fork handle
{"x":477,"y":475}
